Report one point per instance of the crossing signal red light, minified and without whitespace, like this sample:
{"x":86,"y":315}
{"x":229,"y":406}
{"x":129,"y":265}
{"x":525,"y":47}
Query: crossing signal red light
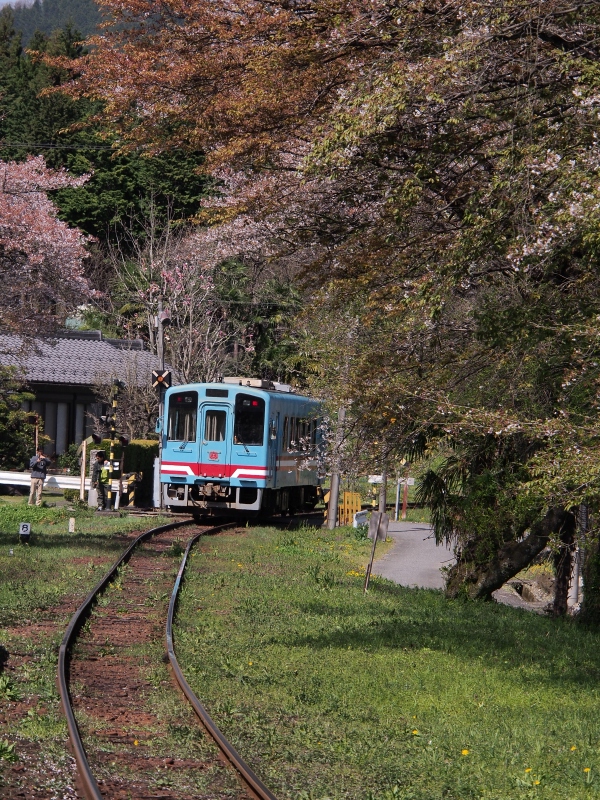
{"x":161,"y":379}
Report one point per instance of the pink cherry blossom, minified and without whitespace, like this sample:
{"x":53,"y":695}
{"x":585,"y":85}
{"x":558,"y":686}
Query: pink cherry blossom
{"x":41,"y":257}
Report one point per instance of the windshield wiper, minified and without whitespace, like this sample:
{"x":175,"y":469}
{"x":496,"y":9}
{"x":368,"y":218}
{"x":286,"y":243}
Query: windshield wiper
{"x":236,"y":440}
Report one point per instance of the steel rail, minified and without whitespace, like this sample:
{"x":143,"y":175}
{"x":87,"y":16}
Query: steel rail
{"x":250,"y":778}
{"x":88,"y":782}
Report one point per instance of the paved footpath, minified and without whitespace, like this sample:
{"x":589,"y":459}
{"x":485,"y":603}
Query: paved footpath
{"x":415,"y":559}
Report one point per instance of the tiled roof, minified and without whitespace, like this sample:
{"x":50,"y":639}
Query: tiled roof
{"x":78,"y":359}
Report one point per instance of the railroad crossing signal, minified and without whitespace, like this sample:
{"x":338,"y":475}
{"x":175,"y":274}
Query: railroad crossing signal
{"x":161,"y":379}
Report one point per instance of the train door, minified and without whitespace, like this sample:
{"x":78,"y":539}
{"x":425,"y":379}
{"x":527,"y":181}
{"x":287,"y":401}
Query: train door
{"x":274,"y":446}
{"x":215,"y":427}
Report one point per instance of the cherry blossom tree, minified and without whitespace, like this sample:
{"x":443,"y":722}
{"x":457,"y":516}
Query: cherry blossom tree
{"x":41,"y":258}
{"x":175,"y":266}
{"x":433,"y":165}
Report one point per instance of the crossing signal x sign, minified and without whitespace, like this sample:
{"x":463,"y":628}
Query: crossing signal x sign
{"x":161,"y":379}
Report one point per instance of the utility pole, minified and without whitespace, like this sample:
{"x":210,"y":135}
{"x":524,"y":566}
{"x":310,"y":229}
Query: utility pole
{"x":162,"y":318}
{"x":405,"y":493}
{"x":383,"y":492}
{"x":82,"y":470}
{"x":397,"y":509}
{"x":334,"y":491}
{"x":117,"y":384}
{"x":160,"y":346}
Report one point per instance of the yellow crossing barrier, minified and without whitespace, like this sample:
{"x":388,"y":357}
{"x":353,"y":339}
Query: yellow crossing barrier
{"x":349,"y":505}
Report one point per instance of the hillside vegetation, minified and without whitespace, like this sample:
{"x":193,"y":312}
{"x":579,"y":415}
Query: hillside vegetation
{"x":48,"y":15}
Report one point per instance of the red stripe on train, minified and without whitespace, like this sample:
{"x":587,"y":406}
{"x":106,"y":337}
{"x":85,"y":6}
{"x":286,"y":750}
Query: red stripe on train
{"x":211,"y":470}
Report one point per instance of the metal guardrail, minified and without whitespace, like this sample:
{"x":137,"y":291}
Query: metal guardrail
{"x":9,"y":478}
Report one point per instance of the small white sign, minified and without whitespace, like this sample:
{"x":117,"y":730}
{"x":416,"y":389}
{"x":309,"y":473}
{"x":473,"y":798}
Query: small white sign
{"x":375,"y":478}
{"x":71,"y":524}
{"x":409,"y":481}
{"x":24,"y":528}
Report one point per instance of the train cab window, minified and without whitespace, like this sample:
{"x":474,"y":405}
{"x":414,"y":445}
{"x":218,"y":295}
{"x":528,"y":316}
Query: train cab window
{"x":183,"y":411}
{"x":215,"y":423}
{"x":249,"y":425}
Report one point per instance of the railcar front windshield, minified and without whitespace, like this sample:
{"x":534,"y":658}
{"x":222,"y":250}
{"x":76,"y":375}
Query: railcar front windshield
{"x":183,"y":412}
{"x":249,"y":425}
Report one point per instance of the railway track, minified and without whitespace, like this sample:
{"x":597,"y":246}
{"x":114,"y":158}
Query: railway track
{"x":104,"y":693}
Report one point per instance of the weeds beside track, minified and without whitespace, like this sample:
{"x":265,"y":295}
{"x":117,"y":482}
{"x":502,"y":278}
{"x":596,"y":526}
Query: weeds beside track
{"x":110,"y":699}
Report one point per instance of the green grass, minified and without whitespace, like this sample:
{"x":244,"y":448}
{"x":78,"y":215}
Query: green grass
{"x":41,"y":585}
{"x":398,"y":694}
{"x":55,"y":563}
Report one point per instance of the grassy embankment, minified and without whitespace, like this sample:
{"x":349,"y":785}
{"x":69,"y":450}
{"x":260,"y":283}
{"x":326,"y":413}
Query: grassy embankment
{"x":41,"y":585}
{"x":399,"y":694}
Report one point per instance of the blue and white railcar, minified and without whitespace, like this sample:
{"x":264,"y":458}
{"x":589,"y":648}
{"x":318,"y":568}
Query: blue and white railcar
{"x":242,"y":444}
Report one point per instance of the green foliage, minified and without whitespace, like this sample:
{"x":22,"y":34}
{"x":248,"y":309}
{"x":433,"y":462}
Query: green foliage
{"x":16,"y":433}
{"x":48,"y":15}
{"x":266,"y":312}
{"x":8,"y":691}
{"x":139,"y":457}
{"x":7,"y":751}
{"x":121,"y":187}
{"x":70,"y":459}
{"x":361,"y":532}
{"x":71,"y":495}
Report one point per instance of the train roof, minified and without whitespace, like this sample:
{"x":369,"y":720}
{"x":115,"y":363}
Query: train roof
{"x":259,"y":383}
{"x":271,"y":387}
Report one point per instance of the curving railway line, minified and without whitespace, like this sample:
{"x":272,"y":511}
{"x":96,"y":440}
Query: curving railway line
{"x":99,"y":679}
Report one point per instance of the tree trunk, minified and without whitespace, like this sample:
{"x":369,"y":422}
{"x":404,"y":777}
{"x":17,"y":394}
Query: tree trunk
{"x":563,"y":565}
{"x":590,"y":607}
{"x":477,"y":581}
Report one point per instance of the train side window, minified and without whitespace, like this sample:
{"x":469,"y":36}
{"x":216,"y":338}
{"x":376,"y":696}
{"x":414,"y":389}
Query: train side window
{"x":249,"y":425}
{"x":303,"y":433}
{"x":285,"y":441}
{"x":214,"y":426}
{"x":183,"y":411}
{"x":313,"y":433}
{"x":293,"y":434}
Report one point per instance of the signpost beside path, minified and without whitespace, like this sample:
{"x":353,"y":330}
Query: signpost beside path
{"x":378,"y":528}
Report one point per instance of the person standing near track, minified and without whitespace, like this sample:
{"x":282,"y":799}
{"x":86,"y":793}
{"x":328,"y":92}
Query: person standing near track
{"x":38,"y":465}
{"x":100,"y":480}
